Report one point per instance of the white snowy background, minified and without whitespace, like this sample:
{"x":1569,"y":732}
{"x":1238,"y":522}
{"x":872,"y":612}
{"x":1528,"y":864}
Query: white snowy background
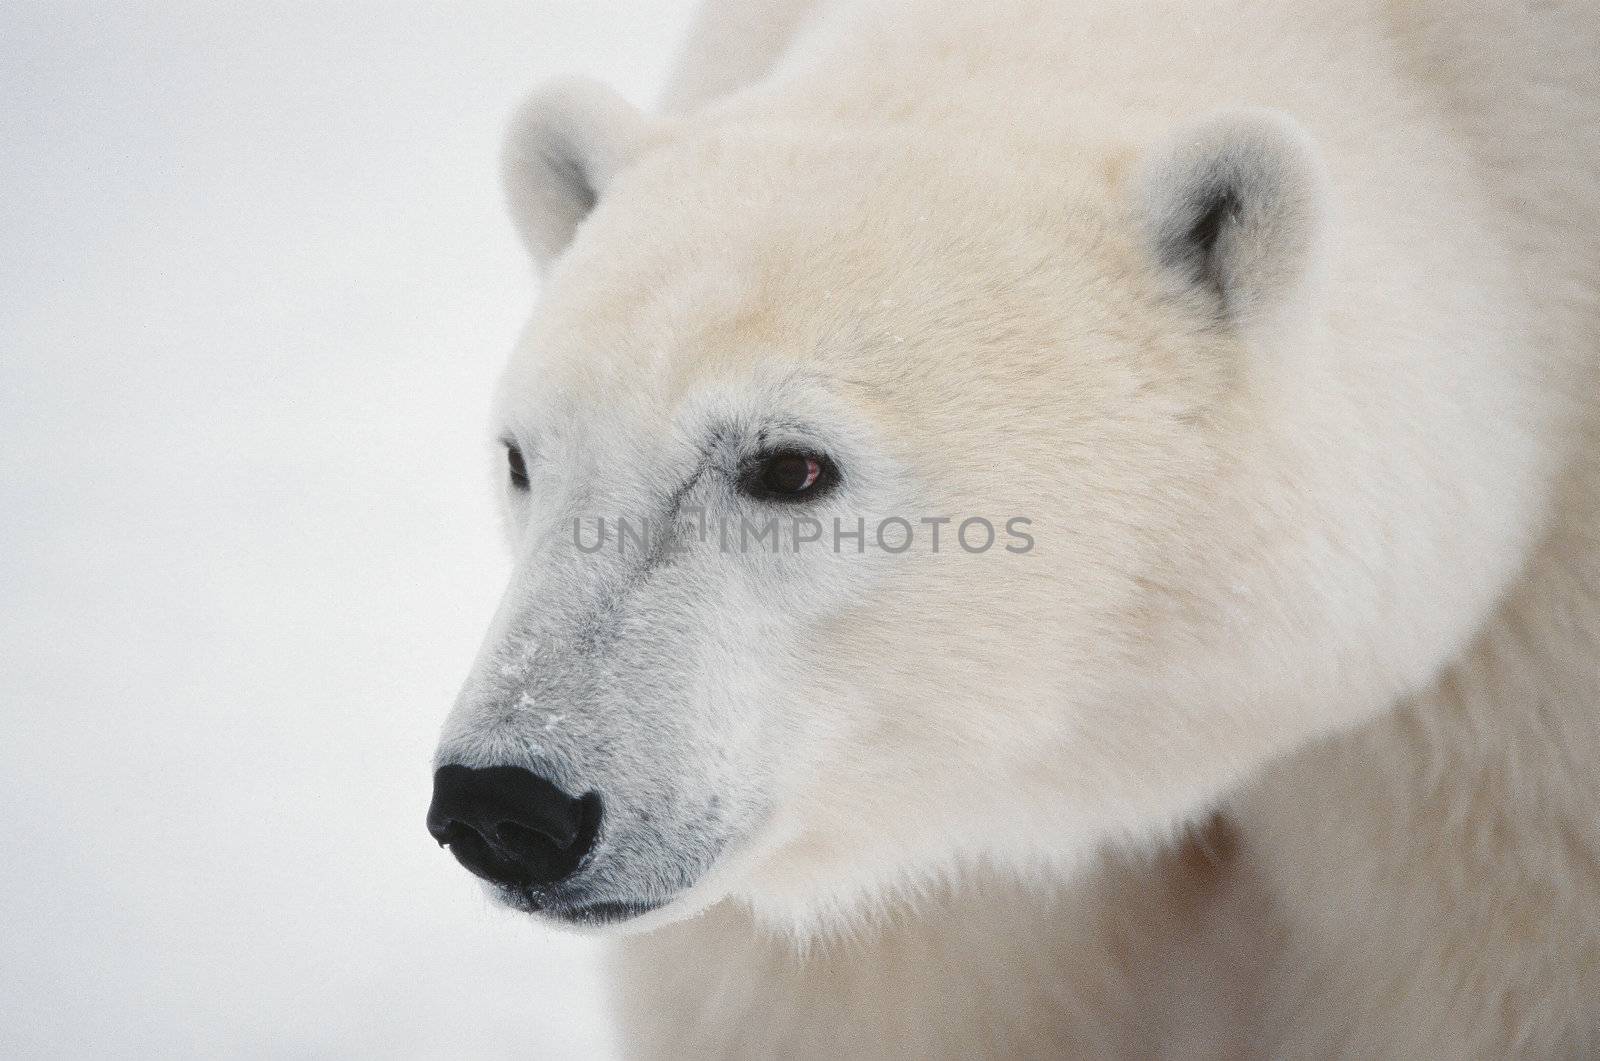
{"x":255,"y":285}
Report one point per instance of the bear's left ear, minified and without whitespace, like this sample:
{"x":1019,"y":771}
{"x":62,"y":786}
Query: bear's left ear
{"x":564,"y":146}
{"x":1233,"y":211}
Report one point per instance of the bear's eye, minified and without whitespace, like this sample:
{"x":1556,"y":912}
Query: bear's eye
{"x":789,"y":475}
{"x":516,"y":466}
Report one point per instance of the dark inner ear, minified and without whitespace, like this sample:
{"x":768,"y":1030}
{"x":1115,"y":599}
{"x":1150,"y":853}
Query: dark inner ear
{"x":1191,"y":242}
{"x":1221,"y":210}
{"x":567,"y":167}
{"x":1231,"y":210}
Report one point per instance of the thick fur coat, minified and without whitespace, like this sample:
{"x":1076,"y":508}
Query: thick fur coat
{"x":1281,"y":325}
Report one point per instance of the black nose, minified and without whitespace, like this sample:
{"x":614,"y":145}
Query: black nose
{"x":511,"y":826}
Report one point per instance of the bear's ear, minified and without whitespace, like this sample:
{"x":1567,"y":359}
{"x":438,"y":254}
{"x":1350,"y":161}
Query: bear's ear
{"x":564,"y":146}
{"x":1233,"y":210}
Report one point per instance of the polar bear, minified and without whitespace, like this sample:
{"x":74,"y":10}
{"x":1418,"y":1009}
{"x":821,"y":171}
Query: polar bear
{"x":1270,"y":331}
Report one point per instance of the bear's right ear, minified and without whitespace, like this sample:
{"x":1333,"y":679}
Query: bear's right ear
{"x":564,"y":146}
{"x":1232,"y":208}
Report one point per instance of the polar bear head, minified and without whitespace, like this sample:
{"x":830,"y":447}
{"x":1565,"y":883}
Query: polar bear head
{"x":880,"y":510}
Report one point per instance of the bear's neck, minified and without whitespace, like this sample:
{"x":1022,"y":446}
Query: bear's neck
{"x":1120,"y":963}
{"x":1464,"y":822}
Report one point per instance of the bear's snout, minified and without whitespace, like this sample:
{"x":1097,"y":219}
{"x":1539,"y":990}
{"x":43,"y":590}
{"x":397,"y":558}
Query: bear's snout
{"x":512,"y":827}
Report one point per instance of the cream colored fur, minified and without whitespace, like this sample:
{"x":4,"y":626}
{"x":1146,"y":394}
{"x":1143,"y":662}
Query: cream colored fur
{"x":1333,"y":569}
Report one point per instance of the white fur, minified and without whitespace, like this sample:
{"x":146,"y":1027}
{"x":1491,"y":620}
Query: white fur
{"x":1325,"y":559}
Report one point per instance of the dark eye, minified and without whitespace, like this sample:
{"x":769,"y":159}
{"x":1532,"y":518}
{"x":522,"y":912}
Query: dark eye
{"x":516,"y":466}
{"x":789,"y":475}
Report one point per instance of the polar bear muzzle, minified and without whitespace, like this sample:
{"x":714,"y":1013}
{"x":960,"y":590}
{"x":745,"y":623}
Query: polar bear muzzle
{"x":512,"y":827}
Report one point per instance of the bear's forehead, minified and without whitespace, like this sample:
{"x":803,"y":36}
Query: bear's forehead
{"x":734,"y":258}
